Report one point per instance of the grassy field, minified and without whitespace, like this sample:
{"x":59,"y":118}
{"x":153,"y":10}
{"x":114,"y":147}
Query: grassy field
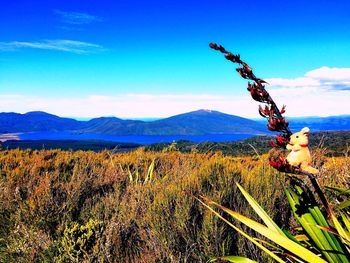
{"x":60,"y":206}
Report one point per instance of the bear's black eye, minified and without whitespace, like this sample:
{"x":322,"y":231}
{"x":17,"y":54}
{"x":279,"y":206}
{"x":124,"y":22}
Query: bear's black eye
{"x":297,"y":136}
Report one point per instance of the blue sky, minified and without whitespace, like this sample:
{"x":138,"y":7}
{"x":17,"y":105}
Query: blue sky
{"x":151,"y":58}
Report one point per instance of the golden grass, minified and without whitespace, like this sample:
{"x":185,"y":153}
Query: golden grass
{"x":43,"y":194}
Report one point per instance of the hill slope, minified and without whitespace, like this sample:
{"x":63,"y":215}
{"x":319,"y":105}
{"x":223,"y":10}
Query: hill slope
{"x":111,"y":125}
{"x":210,"y":122}
{"x":192,"y":123}
{"x":35,"y":121}
{"x":322,"y":123}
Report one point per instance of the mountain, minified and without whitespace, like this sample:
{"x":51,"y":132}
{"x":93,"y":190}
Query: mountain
{"x":192,"y":123}
{"x":112,"y":125}
{"x":209,"y":122}
{"x":316,"y":124}
{"x":11,"y":122}
{"x":331,"y":123}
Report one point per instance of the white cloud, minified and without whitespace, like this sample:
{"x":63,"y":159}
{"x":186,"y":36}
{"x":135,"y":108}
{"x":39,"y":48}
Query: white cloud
{"x":324,"y":77}
{"x":305,"y":96}
{"x":77,"y":18}
{"x":297,"y":82}
{"x":64,"y":45}
{"x":128,"y":105}
{"x":311,"y":101}
{"x":299,"y":103}
{"x":324,"y":91}
{"x":331,"y":74}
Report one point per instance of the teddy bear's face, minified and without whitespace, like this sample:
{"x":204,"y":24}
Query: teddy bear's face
{"x":299,"y":140}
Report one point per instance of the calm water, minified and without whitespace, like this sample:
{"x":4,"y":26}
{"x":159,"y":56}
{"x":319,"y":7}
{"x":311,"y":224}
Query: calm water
{"x":141,"y":139}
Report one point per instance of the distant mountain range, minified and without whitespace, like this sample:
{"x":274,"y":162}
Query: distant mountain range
{"x":191,"y":123}
{"x":316,"y":124}
{"x":35,"y":121}
{"x":332,"y":123}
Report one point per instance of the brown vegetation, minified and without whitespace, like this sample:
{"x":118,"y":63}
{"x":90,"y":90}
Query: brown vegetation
{"x":102,"y":207}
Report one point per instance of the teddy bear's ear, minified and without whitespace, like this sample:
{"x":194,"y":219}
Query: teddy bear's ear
{"x":305,"y":130}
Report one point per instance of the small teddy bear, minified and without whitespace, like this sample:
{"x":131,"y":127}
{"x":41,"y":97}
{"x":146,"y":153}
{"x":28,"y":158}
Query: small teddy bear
{"x":300,"y":154}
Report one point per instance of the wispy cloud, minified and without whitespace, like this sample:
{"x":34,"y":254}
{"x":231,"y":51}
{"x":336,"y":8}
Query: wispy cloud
{"x":77,"y":18}
{"x":64,"y":45}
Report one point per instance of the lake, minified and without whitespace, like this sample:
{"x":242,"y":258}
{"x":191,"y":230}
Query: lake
{"x":141,"y":139}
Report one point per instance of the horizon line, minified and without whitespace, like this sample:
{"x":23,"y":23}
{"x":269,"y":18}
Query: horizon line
{"x":148,"y":118}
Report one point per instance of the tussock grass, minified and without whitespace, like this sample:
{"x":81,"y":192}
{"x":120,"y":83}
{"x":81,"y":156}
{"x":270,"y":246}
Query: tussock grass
{"x":45,"y":196}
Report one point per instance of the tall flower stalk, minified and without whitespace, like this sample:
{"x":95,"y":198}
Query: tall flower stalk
{"x":327,"y":240}
{"x":276,"y":122}
{"x":270,"y":111}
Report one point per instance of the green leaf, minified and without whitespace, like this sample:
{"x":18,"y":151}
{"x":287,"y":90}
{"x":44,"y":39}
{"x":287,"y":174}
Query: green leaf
{"x":149,"y":175}
{"x":290,"y":236}
{"x":339,"y":190}
{"x":309,"y":219}
{"x":260,"y":211}
{"x":274,"y":236}
{"x":130,"y":175}
{"x":270,"y":253}
{"x":137,"y":177}
{"x":342,"y":232}
{"x":346,"y":220}
{"x":344,"y":204}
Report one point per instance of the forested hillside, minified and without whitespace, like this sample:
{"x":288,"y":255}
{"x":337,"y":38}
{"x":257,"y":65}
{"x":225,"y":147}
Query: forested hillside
{"x":335,"y":143}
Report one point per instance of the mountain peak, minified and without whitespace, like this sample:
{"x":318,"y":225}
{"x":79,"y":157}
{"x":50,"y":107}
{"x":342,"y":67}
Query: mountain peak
{"x":203,"y":111}
{"x":206,"y":110}
{"x":108,"y":118}
{"x":38,"y":113}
